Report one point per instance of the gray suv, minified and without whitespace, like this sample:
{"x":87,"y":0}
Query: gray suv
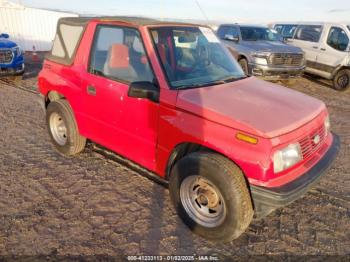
{"x":261,"y":52}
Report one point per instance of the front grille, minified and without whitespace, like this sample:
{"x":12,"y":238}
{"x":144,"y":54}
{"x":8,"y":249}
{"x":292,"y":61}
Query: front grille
{"x":308,"y":144}
{"x":6,"y":56}
{"x":286,"y":59}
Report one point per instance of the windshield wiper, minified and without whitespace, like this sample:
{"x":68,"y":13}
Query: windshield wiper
{"x":218,"y":82}
{"x":196,"y":85}
{"x":232,"y":79}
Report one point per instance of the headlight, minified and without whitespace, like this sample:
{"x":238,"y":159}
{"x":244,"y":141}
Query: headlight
{"x":17,"y":51}
{"x":261,"y":58}
{"x":261,"y":54}
{"x":327,"y":125}
{"x":287,"y":157}
{"x":260,"y":61}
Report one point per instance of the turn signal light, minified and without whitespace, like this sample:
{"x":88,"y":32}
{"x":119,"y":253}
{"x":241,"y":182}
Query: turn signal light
{"x":247,"y":138}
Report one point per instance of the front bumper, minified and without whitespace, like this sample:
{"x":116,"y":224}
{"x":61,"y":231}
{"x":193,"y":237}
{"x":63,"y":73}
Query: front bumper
{"x":275,"y":73}
{"x":16,"y":67}
{"x":267,"y":200}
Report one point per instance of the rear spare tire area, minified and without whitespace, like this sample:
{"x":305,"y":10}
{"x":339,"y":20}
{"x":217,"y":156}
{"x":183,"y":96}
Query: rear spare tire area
{"x":63,"y":128}
{"x":211,"y":196}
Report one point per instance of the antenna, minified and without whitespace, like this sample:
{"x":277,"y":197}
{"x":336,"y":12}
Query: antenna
{"x":202,"y":10}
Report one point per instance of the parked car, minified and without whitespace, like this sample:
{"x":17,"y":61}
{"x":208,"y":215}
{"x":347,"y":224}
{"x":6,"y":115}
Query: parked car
{"x":327,"y":49}
{"x":11,"y":57}
{"x":260,"y":52}
{"x":171,"y":98}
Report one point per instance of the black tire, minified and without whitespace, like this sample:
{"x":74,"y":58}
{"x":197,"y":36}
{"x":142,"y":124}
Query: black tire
{"x":229,"y":180}
{"x":341,"y":81}
{"x":74,"y":143}
{"x":244,"y":64}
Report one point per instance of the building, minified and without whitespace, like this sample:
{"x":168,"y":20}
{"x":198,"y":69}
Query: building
{"x":31,"y":28}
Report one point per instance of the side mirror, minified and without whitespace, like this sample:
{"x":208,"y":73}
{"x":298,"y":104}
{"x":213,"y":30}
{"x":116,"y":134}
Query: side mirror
{"x":145,"y":90}
{"x":6,"y":36}
{"x":232,"y":38}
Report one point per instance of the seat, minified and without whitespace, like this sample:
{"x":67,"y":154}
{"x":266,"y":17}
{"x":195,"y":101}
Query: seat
{"x":118,"y":64}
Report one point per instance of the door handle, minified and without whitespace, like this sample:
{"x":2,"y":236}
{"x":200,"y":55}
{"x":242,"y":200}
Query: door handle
{"x":91,"y":90}
{"x":315,"y":47}
{"x":323,"y":49}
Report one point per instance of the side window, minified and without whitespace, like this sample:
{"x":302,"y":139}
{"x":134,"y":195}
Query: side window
{"x":278,"y":28}
{"x":223,"y":30}
{"x":288,"y":31}
{"x":66,"y":42}
{"x":118,"y":53}
{"x":338,"y":39}
{"x":233,"y":31}
{"x":227,"y":30}
{"x":311,"y":33}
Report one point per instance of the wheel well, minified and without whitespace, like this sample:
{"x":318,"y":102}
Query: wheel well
{"x":241,"y":57}
{"x":181,"y":151}
{"x":52,"y":96}
{"x":339,"y":69}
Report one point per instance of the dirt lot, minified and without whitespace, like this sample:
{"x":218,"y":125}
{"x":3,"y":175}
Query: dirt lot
{"x":57,"y":207}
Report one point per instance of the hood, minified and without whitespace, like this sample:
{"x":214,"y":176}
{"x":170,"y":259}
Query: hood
{"x":253,"y":106}
{"x":4,"y":43}
{"x":270,"y":46}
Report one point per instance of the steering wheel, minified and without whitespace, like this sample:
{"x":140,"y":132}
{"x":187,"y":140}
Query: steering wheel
{"x":202,"y":57}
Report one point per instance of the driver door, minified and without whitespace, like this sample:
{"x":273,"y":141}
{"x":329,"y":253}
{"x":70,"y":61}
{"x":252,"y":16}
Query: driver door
{"x":333,"y":50}
{"x":121,"y":123}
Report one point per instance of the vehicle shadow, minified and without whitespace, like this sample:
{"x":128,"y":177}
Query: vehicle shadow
{"x":318,"y":80}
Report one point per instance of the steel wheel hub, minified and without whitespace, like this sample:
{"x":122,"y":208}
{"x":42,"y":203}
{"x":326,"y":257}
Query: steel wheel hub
{"x":343,"y":81}
{"x":58,"y":129}
{"x":202,"y":201}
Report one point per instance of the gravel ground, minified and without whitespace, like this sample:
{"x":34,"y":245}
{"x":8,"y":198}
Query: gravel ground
{"x":90,"y":207}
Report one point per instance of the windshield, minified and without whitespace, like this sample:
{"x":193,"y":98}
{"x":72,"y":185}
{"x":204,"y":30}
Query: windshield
{"x":194,"y":57}
{"x":250,"y":33}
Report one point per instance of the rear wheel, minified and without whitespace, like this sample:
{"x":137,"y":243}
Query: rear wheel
{"x":63,"y":128}
{"x":211,"y":196}
{"x":244,"y":64}
{"x":341,"y":81}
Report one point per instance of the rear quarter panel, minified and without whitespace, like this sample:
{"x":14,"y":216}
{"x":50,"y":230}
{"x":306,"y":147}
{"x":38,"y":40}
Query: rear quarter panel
{"x":66,"y":80}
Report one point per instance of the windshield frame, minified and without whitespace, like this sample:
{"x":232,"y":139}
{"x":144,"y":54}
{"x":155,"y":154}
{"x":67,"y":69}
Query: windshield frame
{"x":256,"y":27}
{"x":165,"y":74}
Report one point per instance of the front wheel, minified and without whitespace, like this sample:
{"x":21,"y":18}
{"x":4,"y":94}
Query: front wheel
{"x":244,"y":64}
{"x":63,"y":128}
{"x":211,"y":196}
{"x":341,"y":81}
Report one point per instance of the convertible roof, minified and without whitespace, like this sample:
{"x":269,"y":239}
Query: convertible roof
{"x":138,"y":21}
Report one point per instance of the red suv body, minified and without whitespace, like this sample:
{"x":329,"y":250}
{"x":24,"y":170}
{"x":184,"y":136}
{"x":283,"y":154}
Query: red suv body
{"x":141,"y":88}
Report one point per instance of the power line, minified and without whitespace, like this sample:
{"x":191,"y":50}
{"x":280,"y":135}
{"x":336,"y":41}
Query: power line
{"x":202,"y":10}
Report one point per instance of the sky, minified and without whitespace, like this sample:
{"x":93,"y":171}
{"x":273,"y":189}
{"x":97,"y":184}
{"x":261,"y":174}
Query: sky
{"x":259,"y":11}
